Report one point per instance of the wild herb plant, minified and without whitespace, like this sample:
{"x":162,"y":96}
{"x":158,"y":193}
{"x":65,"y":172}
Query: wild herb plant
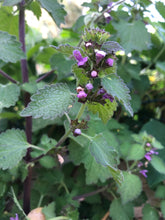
{"x":84,"y":140}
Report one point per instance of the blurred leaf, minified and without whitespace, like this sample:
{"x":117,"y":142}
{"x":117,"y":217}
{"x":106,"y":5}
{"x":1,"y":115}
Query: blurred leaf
{"x":13,"y":147}
{"x":10,"y":48}
{"x":50,"y":102}
{"x":8,"y":21}
{"x":115,"y":86}
{"x":135,"y":102}
{"x":149,"y":213}
{"x":2,"y":188}
{"x":62,"y":65}
{"x":11,"y":3}
{"x":158,"y":164}
{"x":81,"y":154}
{"x":47,"y":162}
{"x":30,"y":87}
{"x":136,"y":152}
{"x":55,"y":9}
{"x":9,"y":95}
{"x":118,"y":211}
{"x":80,"y":75}
{"x":134,"y":36}
{"x":111,"y":46}
{"x":142,"y":85}
{"x":105,"y":111}
{"x":161,"y":8}
{"x":65,"y":49}
{"x":160,"y":66}
{"x":162,"y":206}
{"x":160,"y":192}
{"x":130,"y":188}
{"x":35,"y":8}
{"x":49,"y":210}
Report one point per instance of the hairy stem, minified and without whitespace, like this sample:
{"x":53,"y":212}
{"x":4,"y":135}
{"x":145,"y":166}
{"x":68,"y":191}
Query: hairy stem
{"x":8,"y":77}
{"x":28,"y":120}
{"x":44,"y":76}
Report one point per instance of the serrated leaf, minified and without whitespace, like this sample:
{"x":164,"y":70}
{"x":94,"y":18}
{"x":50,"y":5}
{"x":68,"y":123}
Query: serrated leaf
{"x":11,"y":2}
{"x":102,"y":152}
{"x":130,"y":188}
{"x":149,"y":213}
{"x":134,"y":36}
{"x":35,"y":8}
{"x":10,"y":48}
{"x":105,"y":111}
{"x":50,"y":102}
{"x":13,"y":147}
{"x":55,"y":9}
{"x":117,"y":88}
{"x":79,"y":73}
{"x":79,"y":153}
{"x":65,"y":49}
{"x":9,"y":94}
{"x":158,"y":164}
{"x":118,"y":211}
{"x":161,"y":8}
{"x":8,"y":21}
{"x":49,"y":210}
{"x":136,"y":152}
{"x":117,"y":175}
{"x":111,"y":46}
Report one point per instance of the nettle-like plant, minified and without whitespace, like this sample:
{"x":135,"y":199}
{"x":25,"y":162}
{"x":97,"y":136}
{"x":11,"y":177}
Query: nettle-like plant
{"x":86,"y":151}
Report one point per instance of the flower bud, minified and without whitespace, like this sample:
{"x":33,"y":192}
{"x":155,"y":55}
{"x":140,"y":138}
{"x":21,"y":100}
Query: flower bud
{"x":77,"y":131}
{"x":94,"y":74}
{"x":109,"y":61}
{"x":89,"y":86}
{"x":81,"y":95}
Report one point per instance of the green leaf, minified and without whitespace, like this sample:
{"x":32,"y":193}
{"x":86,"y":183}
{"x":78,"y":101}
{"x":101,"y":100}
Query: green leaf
{"x":118,"y":211}
{"x":35,"y":8}
{"x":49,"y":210}
{"x":102,"y":152}
{"x":117,"y":175}
{"x":11,"y":3}
{"x":134,"y":36}
{"x":81,"y":154}
{"x":9,"y":95}
{"x":105,"y":111}
{"x":62,"y":65}
{"x":135,"y":102}
{"x":111,"y":46}
{"x":13,"y":147}
{"x":130,"y":188}
{"x":162,"y":206}
{"x":55,"y":9}
{"x":136,"y":152}
{"x":149,"y":213}
{"x":66,"y":49}
{"x":158,"y":164}
{"x":160,"y":66}
{"x":79,"y":73}
{"x":160,"y":192}
{"x":47,"y":162}
{"x":50,"y":102}
{"x":117,"y":88}
{"x":161,"y":8}
{"x":8,"y":21}
{"x":10,"y":48}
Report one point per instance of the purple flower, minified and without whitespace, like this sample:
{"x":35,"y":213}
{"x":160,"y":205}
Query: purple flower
{"x":140,"y":164}
{"x":100,"y":55}
{"x":94,"y":74}
{"x":79,"y":58}
{"x":143,"y":172}
{"x":101,"y":91}
{"x":77,"y":131}
{"x":89,"y":86}
{"x":88,"y":44}
{"x":109,"y":61}
{"x":107,"y":17}
{"x":108,"y":96}
{"x":148,"y":156}
{"x":148,"y":144}
{"x":16,"y":218}
{"x":81,"y":95}
{"x":152,"y":151}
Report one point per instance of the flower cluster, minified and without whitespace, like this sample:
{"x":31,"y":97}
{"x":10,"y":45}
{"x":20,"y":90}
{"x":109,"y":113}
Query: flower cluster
{"x":148,"y":156}
{"x":16,"y":217}
{"x":77,"y":126}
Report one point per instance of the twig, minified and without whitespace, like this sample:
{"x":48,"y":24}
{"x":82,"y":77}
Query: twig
{"x":107,"y":9}
{"x":8,"y":77}
{"x":85,"y":195}
{"x":44,"y":76}
{"x":106,"y":216}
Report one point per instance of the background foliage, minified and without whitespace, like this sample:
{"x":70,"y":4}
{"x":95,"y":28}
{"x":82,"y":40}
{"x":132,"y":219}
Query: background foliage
{"x":99,"y":178}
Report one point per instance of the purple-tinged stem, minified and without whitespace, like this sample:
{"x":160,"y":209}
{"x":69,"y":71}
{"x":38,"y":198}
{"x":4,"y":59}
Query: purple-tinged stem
{"x":28,"y":120}
{"x":44,"y":76}
{"x":8,"y":77}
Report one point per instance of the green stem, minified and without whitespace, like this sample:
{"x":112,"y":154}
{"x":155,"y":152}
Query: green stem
{"x":81,"y":111}
{"x":133,"y":165}
{"x":40,"y":200}
{"x":86,"y":136}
